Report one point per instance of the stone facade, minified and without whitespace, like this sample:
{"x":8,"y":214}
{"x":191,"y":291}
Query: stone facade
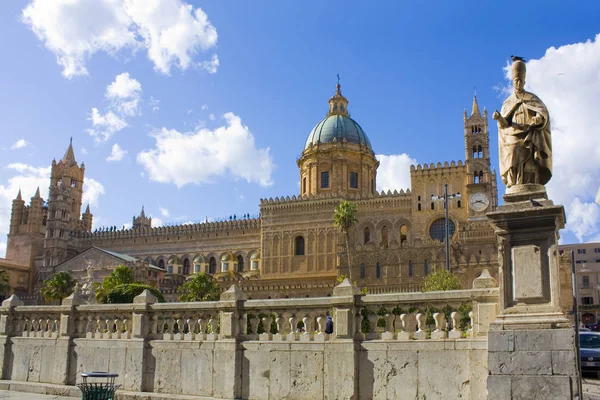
{"x":293,"y":249}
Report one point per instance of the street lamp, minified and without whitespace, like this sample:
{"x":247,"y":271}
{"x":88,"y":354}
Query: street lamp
{"x":445,"y":198}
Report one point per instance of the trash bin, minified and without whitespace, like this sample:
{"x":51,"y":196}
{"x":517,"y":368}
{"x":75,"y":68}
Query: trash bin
{"x":101,"y":387}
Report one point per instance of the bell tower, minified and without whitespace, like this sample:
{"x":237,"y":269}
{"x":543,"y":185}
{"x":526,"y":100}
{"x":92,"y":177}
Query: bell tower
{"x":481,"y":180}
{"x":64,"y":207}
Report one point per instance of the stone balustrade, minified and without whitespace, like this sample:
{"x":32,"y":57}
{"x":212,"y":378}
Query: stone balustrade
{"x":276,"y":348}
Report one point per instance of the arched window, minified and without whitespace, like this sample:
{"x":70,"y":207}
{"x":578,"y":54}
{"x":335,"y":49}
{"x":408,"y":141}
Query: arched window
{"x":186,"y":266}
{"x":437,"y":230}
{"x":403,"y":233}
{"x":425,"y":268}
{"x":240,"y":262}
{"x":432,"y":205}
{"x":363,"y":272}
{"x":479,"y":152}
{"x":367,"y":235}
{"x":458,"y":204}
{"x":212,"y":265}
{"x":410,"y":268}
{"x":475,"y":177}
{"x":161,"y":264}
{"x":299,"y":242}
{"x":419,"y":207}
{"x":480,"y":176}
{"x":384,"y":237}
{"x":378,"y":271}
{"x":170,"y":269}
{"x":474,"y":152}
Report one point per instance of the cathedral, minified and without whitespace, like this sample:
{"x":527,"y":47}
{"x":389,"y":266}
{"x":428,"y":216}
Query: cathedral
{"x":292,"y":249}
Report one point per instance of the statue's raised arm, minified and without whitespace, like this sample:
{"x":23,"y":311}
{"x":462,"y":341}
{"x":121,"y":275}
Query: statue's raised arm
{"x":525,"y":143}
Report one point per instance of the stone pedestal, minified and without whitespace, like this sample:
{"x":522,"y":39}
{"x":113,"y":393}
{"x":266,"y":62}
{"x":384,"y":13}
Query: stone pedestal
{"x":531,"y":344}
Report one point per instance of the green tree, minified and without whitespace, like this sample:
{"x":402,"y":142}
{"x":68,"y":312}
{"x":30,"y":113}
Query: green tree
{"x":4,"y":284}
{"x":200,"y":287}
{"x":127,"y":292}
{"x":344,"y":218}
{"x":119,"y":276}
{"x":58,"y":287}
{"x":441,"y":279}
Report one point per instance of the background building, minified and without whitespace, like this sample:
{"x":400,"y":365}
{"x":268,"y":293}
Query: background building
{"x":292,"y":249}
{"x":587,"y":268}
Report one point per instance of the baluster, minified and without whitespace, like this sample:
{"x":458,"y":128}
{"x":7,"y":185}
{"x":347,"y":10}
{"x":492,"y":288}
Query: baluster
{"x":408,"y":327}
{"x":118,"y":328}
{"x":358,"y":318}
{"x":440,"y":322}
{"x":389,"y":327}
{"x":321,"y":325}
{"x":305,"y":321}
{"x":179,"y":335}
{"x":470,"y":329}
{"x":279,"y":321}
{"x":293,"y":327}
{"x":373,"y":330}
{"x":254,"y":321}
{"x":421,"y":334}
{"x":455,"y":333}
{"x":188,"y":329}
{"x":126,"y":330}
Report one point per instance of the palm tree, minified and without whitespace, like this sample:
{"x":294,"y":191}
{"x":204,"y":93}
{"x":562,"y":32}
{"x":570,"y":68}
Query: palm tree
{"x":4,"y":284}
{"x":58,"y":287}
{"x":344,"y":217}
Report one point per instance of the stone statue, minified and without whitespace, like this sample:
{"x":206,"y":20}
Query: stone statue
{"x":525,"y":145}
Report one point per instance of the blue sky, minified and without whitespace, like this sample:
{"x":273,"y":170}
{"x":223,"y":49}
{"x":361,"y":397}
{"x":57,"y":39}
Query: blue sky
{"x":199,"y":109}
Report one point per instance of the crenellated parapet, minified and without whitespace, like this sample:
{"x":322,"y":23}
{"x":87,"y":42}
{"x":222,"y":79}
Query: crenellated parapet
{"x":289,"y":200}
{"x":428,"y":168}
{"x":252,"y":224}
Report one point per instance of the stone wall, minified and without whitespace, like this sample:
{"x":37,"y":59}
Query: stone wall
{"x":387,"y":346}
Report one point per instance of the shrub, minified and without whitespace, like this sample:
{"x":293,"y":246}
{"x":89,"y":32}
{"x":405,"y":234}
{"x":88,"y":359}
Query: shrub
{"x":441,"y":279}
{"x":127,"y":292}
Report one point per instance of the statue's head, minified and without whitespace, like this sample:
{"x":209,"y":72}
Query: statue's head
{"x":518,"y":75}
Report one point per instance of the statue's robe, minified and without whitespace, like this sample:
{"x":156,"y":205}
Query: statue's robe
{"x":520,"y":146}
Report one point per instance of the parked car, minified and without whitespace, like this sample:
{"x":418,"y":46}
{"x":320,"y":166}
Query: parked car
{"x":589,"y":343}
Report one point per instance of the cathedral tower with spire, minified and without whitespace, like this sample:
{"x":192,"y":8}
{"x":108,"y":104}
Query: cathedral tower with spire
{"x":64,"y":208}
{"x":481,"y":186}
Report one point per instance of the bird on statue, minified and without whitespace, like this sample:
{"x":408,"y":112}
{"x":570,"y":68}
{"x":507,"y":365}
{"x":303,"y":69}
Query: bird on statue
{"x":517,"y":58}
{"x":536,"y":203}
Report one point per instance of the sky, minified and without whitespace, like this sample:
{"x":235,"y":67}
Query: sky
{"x":198,"y":109}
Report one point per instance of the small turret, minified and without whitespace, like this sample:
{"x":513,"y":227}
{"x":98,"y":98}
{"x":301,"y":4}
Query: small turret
{"x":86,"y":219}
{"x":142,"y":222}
{"x":18,"y":205}
{"x":36,"y":213}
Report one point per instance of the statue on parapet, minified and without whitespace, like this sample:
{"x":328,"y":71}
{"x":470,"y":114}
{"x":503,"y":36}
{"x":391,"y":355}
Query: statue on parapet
{"x":525,"y":143}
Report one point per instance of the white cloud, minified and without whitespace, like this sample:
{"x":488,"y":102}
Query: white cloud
{"x":173,"y":32}
{"x":204,"y":106}
{"x":212,"y":65}
{"x":19,"y":144}
{"x":154,"y":104}
{"x":26,"y":178}
{"x":117,"y":153}
{"x":164,"y":212}
{"x":92,"y":190}
{"x":104,"y":125}
{"x":394,"y":171}
{"x":201,"y":156}
{"x":156,"y":221}
{"x":124,"y":94}
{"x":212,"y":117}
{"x":84,"y":151}
{"x":568,"y":82}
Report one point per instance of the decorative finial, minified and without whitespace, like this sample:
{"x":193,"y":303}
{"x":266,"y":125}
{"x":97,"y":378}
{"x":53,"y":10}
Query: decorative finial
{"x":19,"y":195}
{"x":338,"y":76}
{"x":517,"y":58}
{"x":71,"y":140}
{"x":37,"y":193}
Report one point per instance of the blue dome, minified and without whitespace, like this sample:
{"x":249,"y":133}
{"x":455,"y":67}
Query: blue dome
{"x":340,"y":127}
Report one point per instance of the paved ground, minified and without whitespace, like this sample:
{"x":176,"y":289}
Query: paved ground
{"x":5,"y":394}
{"x":591,"y":390}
